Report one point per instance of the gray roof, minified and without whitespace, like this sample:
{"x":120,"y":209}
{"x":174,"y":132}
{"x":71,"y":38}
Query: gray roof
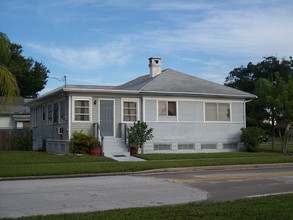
{"x":168,"y":82}
{"x":17,"y":106}
{"x":173,"y":82}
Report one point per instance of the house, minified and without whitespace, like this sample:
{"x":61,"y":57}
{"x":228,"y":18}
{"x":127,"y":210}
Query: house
{"x":187,"y":114}
{"x":14,"y":115}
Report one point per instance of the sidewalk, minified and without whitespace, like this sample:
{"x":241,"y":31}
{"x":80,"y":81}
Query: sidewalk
{"x":155,"y":171}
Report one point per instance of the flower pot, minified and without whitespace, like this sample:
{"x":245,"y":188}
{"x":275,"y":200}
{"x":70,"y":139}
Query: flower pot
{"x":133,"y":151}
{"x":96,"y":151}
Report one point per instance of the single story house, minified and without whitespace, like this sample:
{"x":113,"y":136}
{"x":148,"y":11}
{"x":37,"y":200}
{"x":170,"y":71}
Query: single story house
{"x":187,"y":114}
{"x":14,"y":115}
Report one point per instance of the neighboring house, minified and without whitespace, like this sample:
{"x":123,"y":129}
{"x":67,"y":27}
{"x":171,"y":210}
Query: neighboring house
{"x":14,"y":115}
{"x":187,"y":114}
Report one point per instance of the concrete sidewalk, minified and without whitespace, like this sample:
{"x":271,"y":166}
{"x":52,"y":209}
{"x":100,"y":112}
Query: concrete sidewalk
{"x":154,"y":171}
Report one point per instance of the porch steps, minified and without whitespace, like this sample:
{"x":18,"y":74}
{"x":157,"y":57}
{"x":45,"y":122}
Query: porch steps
{"x":115,"y":147}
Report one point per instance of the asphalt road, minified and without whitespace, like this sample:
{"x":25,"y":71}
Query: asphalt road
{"x":68,"y":195}
{"x":229,"y":184}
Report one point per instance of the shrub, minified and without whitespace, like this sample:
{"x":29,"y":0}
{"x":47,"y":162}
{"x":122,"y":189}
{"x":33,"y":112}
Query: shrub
{"x":81,"y":143}
{"x":138,"y":134}
{"x":251,"y":138}
{"x":22,"y":143}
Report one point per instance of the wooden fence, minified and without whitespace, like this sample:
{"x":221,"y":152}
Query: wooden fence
{"x":15,"y":139}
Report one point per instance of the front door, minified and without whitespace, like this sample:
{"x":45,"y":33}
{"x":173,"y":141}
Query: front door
{"x":107,"y":117}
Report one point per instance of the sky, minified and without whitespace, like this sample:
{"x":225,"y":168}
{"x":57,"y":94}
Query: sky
{"x":108,"y":42}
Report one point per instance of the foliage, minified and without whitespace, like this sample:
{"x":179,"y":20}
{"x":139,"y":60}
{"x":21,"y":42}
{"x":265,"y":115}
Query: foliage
{"x":138,"y":134}
{"x":8,"y":84}
{"x":251,"y":138}
{"x":23,"y":143}
{"x":4,"y":49}
{"x":278,"y":99}
{"x":81,"y":143}
{"x":31,"y":75}
{"x":245,"y":78}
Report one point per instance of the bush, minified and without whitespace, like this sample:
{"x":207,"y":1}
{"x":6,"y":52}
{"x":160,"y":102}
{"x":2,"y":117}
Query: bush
{"x":138,"y":134}
{"x":22,"y":143}
{"x":81,"y":143}
{"x":251,"y":138}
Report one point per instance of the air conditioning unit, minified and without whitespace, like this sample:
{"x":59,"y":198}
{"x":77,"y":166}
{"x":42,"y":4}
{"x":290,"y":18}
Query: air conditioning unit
{"x":60,"y":130}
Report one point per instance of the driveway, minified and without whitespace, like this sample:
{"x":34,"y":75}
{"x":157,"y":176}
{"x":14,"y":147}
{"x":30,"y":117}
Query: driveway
{"x":68,"y":195}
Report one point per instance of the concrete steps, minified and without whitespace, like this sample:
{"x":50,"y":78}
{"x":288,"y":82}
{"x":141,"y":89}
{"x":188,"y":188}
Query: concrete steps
{"x":114,"y":147}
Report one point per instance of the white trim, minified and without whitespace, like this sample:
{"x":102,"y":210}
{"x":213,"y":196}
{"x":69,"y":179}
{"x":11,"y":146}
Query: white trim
{"x":86,"y":98}
{"x":114,"y":109}
{"x":217,"y":102}
{"x":137,"y":110}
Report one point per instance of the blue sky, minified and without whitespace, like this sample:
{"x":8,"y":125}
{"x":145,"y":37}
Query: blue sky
{"x":108,"y":42}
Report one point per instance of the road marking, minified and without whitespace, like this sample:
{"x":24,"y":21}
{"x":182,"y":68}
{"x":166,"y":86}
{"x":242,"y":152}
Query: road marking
{"x":269,"y":194}
{"x":202,"y":179}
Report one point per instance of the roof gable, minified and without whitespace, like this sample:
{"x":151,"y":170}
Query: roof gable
{"x":170,"y":81}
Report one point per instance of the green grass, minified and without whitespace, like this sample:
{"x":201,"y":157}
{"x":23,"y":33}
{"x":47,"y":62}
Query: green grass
{"x":28,"y":163}
{"x":271,"y":207}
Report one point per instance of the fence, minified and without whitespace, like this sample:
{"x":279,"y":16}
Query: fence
{"x":15,"y":139}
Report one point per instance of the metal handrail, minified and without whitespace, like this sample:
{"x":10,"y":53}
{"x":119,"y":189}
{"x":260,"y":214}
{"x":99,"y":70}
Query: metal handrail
{"x":124,"y":134}
{"x":99,"y":135}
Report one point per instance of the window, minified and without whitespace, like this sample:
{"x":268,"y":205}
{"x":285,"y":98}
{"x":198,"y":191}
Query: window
{"x":50,"y":114}
{"x":130,"y":110}
{"x":81,"y":110}
{"x":62,"y":112}
{"x":43,"y":112}
{"x":217,"y":111}
{"x":167,"y":108}
{"x":55,"y":113}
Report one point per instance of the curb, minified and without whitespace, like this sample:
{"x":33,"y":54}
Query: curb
{"x":155,"y":171}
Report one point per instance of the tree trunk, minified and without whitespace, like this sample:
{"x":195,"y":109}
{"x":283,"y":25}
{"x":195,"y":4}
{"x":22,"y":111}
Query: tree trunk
{"x":273,"y":134}
{"x":284,"y":139}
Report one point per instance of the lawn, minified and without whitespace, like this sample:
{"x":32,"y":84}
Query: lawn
{"x":271,"y":207}
{"x":30,"y":163}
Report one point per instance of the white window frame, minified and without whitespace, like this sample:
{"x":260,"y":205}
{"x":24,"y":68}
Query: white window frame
{"x":89,"y":99}
{"x":217,"y":103}
{"x":136,"y":100}
{"x":167,"y":103}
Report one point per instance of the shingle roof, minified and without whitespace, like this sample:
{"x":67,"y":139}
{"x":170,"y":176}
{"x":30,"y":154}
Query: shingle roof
{"x":170,"y":81}
{"x":16,"y":107}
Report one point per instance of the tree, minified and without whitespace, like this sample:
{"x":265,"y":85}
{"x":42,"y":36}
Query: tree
{"x":138,"y":134}
{"x":31,"y":75}
{"x":278,"y":97}
{"x":245,"y":78}
{"x":8,"y":84}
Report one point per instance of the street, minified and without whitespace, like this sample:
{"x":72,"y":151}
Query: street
{"x":68,"y":195}
{"x":235,"y":184}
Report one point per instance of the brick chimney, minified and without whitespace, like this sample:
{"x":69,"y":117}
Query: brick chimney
{"x":155,"y":66}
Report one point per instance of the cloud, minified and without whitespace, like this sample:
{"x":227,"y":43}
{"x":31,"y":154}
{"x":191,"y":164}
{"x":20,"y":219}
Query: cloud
{"x":85,"y":58}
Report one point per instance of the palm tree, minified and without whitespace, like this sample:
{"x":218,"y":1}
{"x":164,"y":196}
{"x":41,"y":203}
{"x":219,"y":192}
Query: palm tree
{"x":8,"y":83}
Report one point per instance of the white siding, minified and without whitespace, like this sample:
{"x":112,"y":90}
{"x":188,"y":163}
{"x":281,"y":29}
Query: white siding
{"x":190,"y":111}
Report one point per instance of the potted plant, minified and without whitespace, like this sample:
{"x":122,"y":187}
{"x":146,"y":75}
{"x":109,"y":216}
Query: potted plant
{"x":81,"y":143}
{"x":138,"y":134}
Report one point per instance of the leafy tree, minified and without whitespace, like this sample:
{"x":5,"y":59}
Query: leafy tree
{"x":8,"y":84}
{"x":278,"y":97}
{"x":246,"y":78}
{"x":31,"y":75}
{"x":138,"y":134}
